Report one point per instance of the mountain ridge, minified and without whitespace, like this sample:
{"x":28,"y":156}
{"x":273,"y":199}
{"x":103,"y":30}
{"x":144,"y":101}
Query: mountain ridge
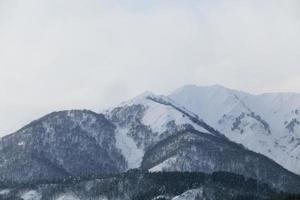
{"x":122,"y":137}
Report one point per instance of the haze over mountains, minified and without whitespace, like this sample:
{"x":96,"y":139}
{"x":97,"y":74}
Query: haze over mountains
{"x":195,"y":129}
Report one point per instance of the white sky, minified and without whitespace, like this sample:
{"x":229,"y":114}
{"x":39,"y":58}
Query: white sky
{"x":63,"y":54}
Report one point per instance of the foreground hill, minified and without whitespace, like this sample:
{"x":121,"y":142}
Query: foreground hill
{"x":137,"y":185}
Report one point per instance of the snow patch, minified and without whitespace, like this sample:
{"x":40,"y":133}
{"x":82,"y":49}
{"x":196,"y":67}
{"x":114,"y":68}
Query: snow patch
{"x":22,"y":143}
{"x":4,"y":192}
{"x":31,"y":195}
{"x":68,"y":196}
{"x":129,"y":149}
{"x":165,"y":164}
{"x":190,"y":195}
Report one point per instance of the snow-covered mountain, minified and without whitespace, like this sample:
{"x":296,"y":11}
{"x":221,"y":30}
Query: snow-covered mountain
{"x":266,"y":123}
{"x":154,"y":133}
{"x":148,"y":119}
{"x":158,"y":134}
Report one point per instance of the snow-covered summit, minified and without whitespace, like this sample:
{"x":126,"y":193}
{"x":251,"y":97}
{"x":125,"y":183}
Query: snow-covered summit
{"x":147,"y":119}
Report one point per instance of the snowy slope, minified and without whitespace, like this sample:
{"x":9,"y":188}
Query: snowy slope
{"x":129,"y":148}
{"x":158,"y":115}
{"x":267,"y":123}
{"x":143,"y":121}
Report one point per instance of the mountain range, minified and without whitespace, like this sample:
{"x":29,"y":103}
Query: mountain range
{"x":194,"y":129}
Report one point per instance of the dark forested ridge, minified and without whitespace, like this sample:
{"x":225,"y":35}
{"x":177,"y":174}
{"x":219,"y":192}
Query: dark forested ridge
{"x":138,"y":185}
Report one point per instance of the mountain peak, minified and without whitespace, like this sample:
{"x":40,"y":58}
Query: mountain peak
{"x":141,"y":97}
{"x":196,"y":88}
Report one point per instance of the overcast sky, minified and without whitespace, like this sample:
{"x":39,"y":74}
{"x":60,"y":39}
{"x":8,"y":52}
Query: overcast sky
{"x":62,"y":54}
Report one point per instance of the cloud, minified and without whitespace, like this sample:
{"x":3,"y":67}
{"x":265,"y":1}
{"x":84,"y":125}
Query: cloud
{"x":64,"y":54}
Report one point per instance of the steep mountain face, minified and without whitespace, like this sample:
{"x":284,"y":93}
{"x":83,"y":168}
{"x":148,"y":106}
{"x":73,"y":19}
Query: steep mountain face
{"x":267,"y":123}
{"x":59,"y":145}
{"x":144,"y":121}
